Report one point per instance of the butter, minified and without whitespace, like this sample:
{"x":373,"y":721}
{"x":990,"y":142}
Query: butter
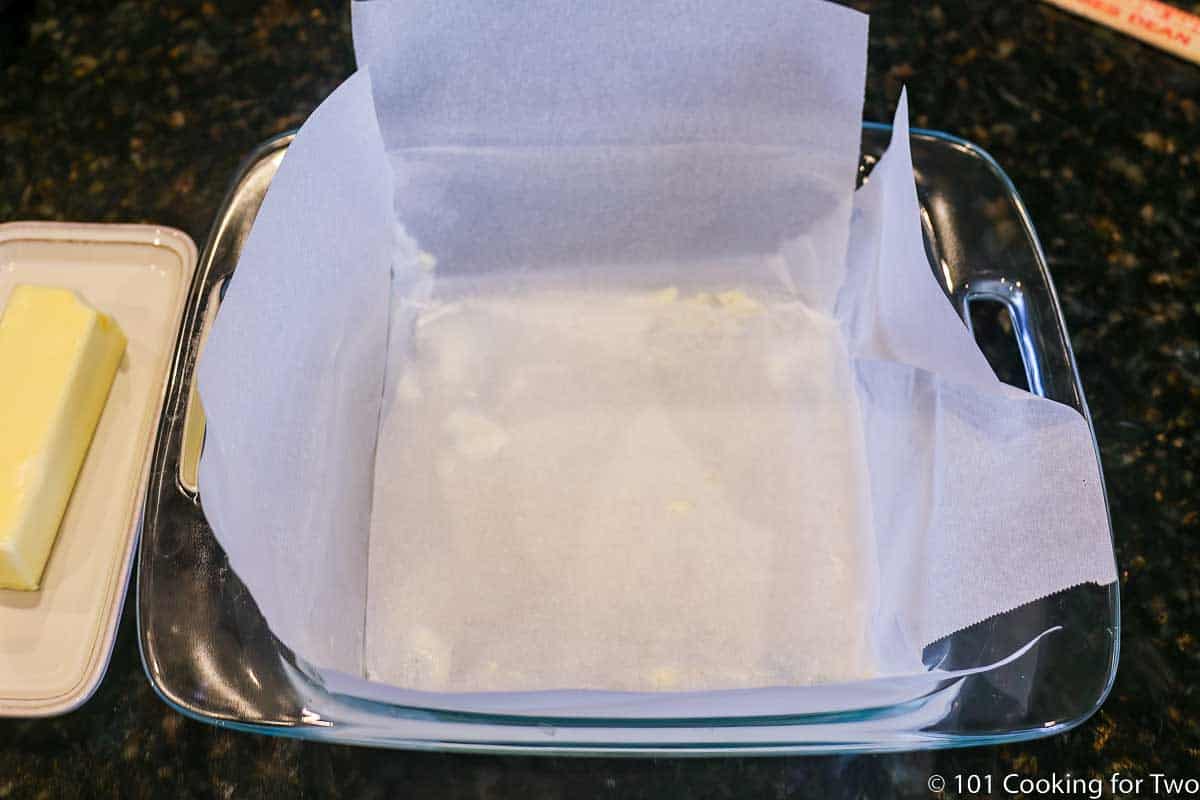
{"x":58,"y":357}
{"x":475,"y":436}
{"x":737,"y":301}
{"x":680,"y":506}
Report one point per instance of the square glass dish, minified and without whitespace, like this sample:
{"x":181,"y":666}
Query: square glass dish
{"x":209,"y":654}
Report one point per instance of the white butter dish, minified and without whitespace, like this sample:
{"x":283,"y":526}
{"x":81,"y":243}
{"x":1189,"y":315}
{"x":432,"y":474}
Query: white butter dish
{"x":55,"y":642}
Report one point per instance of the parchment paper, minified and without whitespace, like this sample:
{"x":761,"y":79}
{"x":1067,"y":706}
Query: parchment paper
{"x":578,"y":199}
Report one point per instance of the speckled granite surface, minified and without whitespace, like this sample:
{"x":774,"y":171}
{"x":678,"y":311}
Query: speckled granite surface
{"x":135,"y":110}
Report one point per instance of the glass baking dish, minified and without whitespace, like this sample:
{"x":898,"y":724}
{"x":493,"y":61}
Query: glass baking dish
{"x":209,"y":654}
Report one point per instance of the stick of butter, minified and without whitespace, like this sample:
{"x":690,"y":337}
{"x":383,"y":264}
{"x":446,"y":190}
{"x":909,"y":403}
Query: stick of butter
{"x":58,"y":357}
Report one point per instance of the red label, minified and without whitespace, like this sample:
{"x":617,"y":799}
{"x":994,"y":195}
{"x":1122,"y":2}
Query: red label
{"x":1149,"y":20}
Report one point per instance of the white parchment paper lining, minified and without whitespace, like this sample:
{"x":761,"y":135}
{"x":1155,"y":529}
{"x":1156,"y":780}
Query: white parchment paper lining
{"x":483,"y":157}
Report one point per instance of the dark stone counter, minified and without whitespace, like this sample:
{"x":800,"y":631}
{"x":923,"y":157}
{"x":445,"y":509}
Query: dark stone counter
{"x":140,"y":111}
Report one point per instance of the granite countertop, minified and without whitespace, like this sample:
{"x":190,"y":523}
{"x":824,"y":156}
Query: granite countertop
{"x":140,"y":111}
